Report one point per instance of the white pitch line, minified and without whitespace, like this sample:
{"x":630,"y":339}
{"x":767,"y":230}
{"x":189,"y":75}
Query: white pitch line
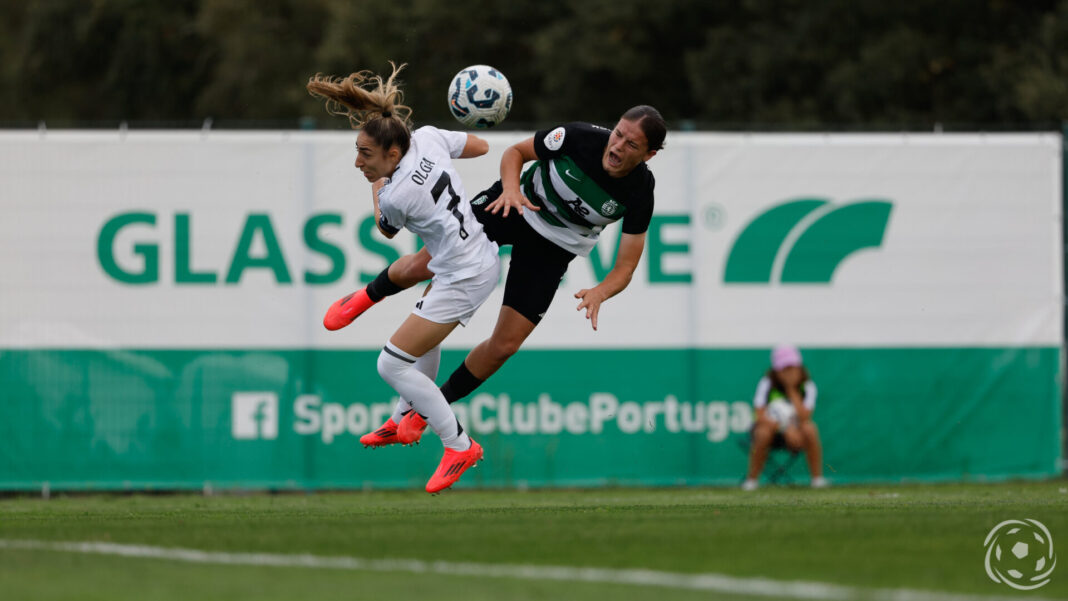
{"x":795,"y":589}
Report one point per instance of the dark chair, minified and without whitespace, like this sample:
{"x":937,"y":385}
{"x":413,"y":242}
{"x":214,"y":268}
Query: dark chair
{"x":780,"y":458}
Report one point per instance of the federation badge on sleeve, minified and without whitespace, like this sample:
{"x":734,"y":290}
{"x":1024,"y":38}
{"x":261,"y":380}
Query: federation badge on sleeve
{"x":555,"y":139}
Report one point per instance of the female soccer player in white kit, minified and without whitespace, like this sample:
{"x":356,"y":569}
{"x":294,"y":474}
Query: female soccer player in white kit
{"x":414,"y":186}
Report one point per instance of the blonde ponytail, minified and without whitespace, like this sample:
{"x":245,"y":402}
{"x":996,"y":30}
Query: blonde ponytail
{"x":370,"y":103}
{"x":362,"y":96}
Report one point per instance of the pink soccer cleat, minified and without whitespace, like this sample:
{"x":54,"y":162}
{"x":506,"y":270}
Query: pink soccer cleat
{"x":385,"y":435}
{"x":411,"y":428}
{"x":346,"y":309}
{"x":453,"y":465}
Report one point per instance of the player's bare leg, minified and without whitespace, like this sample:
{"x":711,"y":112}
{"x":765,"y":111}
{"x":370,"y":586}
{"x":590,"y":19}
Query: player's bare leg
{"x":409,"y":270}
{"x":485,"y":359}
{"x":813,"y":453}
{"x":763,"y":433}
{"x":793,"y":438}
{"x":511,"y":331}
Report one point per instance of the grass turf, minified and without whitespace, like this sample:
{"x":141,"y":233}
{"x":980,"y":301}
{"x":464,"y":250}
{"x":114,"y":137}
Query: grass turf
{"x":873,"y":537}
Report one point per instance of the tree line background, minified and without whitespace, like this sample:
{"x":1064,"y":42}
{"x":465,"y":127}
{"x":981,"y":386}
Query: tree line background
{"x":749,"y":64}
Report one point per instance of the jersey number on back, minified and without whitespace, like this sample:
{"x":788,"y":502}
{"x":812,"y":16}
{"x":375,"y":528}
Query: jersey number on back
{"x":445,"y":183}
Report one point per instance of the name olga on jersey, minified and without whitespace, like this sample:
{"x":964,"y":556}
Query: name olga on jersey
{"x":422,"y":171}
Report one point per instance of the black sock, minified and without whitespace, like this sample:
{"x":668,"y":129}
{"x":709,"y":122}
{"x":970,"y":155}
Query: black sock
{"x":460,"y":384}
{"x":382,"y":286}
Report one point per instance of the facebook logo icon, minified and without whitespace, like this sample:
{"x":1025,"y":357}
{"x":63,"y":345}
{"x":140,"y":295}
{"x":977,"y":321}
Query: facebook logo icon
{"x":254,"y":415}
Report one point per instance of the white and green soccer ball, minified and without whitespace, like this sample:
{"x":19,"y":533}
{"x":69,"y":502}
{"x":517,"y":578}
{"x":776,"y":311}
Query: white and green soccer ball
{"x":782,"y":412}
{"x":480,"y":96}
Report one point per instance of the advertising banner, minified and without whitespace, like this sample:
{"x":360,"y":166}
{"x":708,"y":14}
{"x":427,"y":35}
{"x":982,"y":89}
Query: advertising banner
{"x":162,"y":295}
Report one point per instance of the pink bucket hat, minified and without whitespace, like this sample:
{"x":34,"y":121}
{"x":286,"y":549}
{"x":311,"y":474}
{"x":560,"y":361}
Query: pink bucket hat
{"x":785,"y":356}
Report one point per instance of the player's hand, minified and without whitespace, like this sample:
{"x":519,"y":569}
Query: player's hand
{"x":511,"y":199}
{"x":591,"y":302}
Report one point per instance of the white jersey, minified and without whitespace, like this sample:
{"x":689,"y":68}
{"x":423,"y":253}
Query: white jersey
{"x":765,"y":394}
{"x":426,"y":196}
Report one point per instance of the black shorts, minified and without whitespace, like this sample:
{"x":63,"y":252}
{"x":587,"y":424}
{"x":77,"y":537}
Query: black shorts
{"x":537,"y":265}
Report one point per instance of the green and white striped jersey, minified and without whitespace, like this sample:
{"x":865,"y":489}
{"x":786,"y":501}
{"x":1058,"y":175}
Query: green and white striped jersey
{"x":576,"y":195}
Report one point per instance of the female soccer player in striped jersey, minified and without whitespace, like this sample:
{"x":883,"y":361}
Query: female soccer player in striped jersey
{"x":414,"y":185}
{"x":583,"y":178}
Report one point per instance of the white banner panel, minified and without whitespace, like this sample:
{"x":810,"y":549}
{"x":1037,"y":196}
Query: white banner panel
{"x":242,"y":240}
{"x":970,"y":253}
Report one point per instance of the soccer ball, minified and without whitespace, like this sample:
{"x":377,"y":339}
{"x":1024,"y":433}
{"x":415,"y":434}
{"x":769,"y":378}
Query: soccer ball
{"x":782,"y":412}
{"x":479,"y":96}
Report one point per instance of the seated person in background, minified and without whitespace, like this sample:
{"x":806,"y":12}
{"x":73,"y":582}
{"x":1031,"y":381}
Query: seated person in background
{"x":784,"y":402}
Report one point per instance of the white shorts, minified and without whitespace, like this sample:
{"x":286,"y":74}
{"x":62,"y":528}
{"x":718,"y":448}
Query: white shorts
{"x":457,"y":301}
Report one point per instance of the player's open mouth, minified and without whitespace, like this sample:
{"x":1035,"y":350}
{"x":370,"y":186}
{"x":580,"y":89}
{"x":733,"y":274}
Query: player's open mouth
{"x":613,"y":159}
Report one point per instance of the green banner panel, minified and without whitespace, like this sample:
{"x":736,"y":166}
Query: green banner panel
{"x":291,"y":419}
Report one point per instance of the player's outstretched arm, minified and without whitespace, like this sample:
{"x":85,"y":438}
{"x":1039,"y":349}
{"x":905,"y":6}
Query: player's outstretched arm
{"x":512,"y":161}
{"x":630,"y":252}
{"x":475,"y":147}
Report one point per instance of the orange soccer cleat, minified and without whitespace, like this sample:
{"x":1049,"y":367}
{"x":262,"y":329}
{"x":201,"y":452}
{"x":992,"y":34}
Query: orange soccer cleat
{"x":411,"y":428}
{"x":453,"y":465}
{"x":386,"y":434}
{"x":346,"y":309}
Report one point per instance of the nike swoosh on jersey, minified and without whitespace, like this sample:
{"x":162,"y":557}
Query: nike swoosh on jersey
{"x":567,"y":172}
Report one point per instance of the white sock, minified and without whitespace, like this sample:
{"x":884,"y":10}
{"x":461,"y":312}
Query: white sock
{"x":395,"y":367}
{"x":427,"y":364}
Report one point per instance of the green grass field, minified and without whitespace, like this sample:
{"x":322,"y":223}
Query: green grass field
{"x":854,"y":542}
